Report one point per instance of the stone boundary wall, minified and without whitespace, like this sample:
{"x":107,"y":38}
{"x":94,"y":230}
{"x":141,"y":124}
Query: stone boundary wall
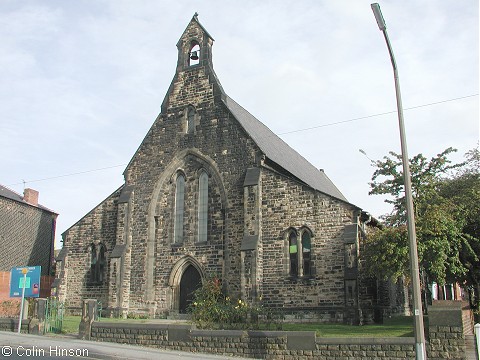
{"x":445,"y":338}
{"x":253,"y":344}
{"x":445,"y":342}
{"x":8,"y":324}
{"x":446,"y":332}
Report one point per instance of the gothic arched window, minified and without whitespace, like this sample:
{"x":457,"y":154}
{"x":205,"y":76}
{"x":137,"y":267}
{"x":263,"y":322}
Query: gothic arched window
{"x":98,"y":263}
{"x":202,"y":206}
{"x":306,"y":253}
{"x":93,"y":261}
{"x":179,"y":208}
{"x":293,"y":253}
{"x":299,"y":252}
{"x":101,"y":264}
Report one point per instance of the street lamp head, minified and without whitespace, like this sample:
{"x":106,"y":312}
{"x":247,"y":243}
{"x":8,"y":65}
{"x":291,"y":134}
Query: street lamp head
{"x":378,"y":16}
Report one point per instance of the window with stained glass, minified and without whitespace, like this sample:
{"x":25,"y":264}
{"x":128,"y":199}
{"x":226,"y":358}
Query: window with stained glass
{"x":293,"y":253}
{"x":306,"y":253}
{"x":203,"y":206}
{"x":179,"y":209}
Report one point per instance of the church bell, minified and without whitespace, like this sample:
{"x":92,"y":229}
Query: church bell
{"x":194,"y":55}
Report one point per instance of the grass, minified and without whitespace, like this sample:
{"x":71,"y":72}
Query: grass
{"x":395,"y":327}
{"x":70,"y":324}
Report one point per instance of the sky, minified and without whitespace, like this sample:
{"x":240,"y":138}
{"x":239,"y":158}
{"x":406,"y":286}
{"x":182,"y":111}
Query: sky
{"x":81,"y":83}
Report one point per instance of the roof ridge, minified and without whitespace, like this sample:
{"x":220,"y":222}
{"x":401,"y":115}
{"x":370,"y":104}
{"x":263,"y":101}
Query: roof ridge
{"x":19,"y":198}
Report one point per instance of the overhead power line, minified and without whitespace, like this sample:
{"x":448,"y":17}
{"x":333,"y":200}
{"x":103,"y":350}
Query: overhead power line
{"x":284,"y":133}
{"x":65,"y":175}
{"x":375,"y":115}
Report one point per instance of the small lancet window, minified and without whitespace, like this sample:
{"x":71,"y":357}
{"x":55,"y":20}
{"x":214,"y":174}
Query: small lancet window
{"x":306,"y":253}
{"x":190,"y":120}
{"x":293,"y":253}
{"x":93,"y":262}
{"x":179,"y":209}
{"x":101,"y":264}
{"x":202,"y":206}
{"x":98,"y":263}
{"x":194,"y":54}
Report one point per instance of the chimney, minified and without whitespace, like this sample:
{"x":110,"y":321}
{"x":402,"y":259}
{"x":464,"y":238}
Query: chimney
{"x":30,"y":196}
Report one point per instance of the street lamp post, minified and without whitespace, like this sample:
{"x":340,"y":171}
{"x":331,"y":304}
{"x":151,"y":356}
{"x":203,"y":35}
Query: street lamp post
{"x":417,"y":300}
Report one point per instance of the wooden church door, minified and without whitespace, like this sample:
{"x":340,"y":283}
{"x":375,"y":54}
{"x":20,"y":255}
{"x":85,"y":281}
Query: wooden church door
{"x":191,"y":281}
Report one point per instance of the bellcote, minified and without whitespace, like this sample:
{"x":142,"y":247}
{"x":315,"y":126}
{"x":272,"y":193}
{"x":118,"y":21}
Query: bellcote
{"x":194,"y":55}
{"x":194,"y":46}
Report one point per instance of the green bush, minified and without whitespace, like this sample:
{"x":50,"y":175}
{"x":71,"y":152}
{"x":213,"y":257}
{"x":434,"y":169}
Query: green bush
{"x":212,"y":309}
{"x":135,"y":316}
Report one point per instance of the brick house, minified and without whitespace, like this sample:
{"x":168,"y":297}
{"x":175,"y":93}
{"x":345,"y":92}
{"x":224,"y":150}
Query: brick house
{"x":27,"y":231}
{"x":213,"y":191}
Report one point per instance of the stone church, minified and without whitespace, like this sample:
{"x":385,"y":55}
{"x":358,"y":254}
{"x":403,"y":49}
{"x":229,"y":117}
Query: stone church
{"x":211,"y":191}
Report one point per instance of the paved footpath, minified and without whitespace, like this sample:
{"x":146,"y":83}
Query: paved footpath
{"x":25,"y":346}
{"x":471,"y":348}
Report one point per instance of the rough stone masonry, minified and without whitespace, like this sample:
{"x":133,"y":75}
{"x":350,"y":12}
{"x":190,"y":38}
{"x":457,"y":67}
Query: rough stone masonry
{"x":211,"y":191}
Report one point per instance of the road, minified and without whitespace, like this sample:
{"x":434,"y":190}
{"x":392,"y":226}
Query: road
{"x":24,"y":346}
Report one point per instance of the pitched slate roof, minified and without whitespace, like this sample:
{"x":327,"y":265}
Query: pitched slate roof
{"x":281,"y":153}
{"x":12,"y":195}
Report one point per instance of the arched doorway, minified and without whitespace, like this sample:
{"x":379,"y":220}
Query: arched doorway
{"x":191,"y":281}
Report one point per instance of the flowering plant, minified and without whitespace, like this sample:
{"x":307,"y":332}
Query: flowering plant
{"x":211,"y":308}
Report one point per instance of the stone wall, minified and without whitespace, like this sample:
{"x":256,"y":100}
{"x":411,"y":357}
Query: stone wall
{"x":445,"y":342}
{"x":253,"y":344}
{"x":289,"y":204}
{"x":7,"y":324}
{"x":446,"y":330}
{"x":445,"y":339}
{"x":98,"y":226}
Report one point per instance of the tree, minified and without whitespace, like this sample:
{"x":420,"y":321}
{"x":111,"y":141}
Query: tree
{"x":464,"y":191}
{"x":446,"y":201}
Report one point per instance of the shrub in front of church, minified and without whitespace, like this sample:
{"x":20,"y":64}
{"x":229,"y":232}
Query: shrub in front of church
{"x":212,"y":309}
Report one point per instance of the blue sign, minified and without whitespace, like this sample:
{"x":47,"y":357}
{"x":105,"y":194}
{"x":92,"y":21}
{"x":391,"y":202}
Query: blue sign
{"x":27,"y":277}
